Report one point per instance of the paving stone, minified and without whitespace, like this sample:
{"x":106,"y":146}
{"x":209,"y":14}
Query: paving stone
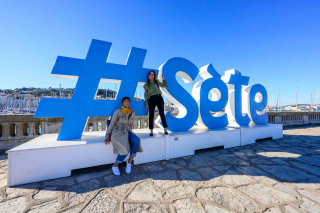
{"x":310,"y":195}
{"x":199,"y":160}
{"x":117,"y":184}
{"x":221,"y":169}
{"x":74,"y":209}
{"x":309,"y":207}
{"x":208,"y":173}
{"x":92,"y":175}
{"x":312,"y":169}
{"x":228,"y":198}
{"x":2,"y":198}
{"x":315,"y":181}
{"x":280,"y":161}
{"x":298,"y":151}
{"x":263,"y":161}
{"x":309,"y":160}
{"x":79,"y":193}
{"x":16,"y":191}
{"x":182,"y":163}
{"x":265,"y":180}
{"x":266,"y":195}
{"x":289,"y":209}
{"x":177,"y":191}
{"x":51,"y":206}
{"x":231,"y":159}
{"x":313,"y":151}
{"x":246,"y":151}
{"x":152,"y":167}
{"x":48,"y":192}
{"x":143,"y":207}
{"x":190,"y":177}
{"x":241,"y":155}
{"x":173,"y":166}
{"x":164,"y":179}
{"x":279,"y":154}
{"x":214,"y":209}
{"x":59,"y":182}
{"x":315,"y":156}
{"x":3,"y":183}
{"x":304,"y":185}
{"x":252,"y":171}
{"x":139,"y":177}
{"x":286,"y":173}
{"x":3,"y":163}
{"x":14,"y":205}
{"x":186,"y":206}
{"x":144,"y":192}
{"x":234,"y":178}
{"x":2,"y":176}
{"x":286,"y":188}
{"x":272,"y":210}
{"x":102,"y":202}
{"x":278,"y":150}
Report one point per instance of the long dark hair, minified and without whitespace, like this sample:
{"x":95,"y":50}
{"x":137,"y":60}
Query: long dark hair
{"x":154,"y":79}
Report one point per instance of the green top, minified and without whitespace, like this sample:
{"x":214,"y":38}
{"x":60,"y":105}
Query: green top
{"x":153,"y":90}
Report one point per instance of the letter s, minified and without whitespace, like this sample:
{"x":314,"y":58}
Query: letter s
{"x":188,"y":108}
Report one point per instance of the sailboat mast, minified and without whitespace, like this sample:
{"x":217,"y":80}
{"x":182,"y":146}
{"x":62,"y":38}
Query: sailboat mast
{"x":296,"y":98}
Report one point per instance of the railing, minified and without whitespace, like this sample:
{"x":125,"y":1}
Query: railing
{"x":17,"y":129}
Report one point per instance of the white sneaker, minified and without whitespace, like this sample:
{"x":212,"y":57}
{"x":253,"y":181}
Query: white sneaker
{"x":116,"y":170}
{"x":128,"y":168}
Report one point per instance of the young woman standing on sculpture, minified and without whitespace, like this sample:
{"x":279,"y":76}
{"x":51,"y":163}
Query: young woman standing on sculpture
{"x":153,"y":98}
{"x":122,"y":137}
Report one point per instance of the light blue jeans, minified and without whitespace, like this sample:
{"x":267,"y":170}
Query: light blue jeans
{"x":134,"y":143}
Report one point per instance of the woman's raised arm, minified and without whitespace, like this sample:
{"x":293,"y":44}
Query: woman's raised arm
{"x":164,"y":83}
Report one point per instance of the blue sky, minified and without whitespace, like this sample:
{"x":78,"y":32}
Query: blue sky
{"x":276,"y":42}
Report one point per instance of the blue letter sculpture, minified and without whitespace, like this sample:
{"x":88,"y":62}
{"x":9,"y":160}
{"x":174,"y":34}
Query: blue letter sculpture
{"x":243,"y":105}
{"x":188,"y":108}
{"x":235,"y":80}
{"x":89,"y":72}
{"x":257,"y":102}
{"x":212,"y":82}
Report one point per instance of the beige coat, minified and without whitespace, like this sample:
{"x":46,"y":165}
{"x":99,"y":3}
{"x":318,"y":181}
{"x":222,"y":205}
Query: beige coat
{"x":119,"y":128}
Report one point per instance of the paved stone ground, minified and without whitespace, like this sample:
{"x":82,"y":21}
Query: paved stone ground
{"x":270,"y":176}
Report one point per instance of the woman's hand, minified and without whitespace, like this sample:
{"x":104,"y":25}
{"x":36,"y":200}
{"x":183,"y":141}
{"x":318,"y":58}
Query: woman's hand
{"x":163,"y":76}
{"x":147,"y":107}
{"x":107,"y":140}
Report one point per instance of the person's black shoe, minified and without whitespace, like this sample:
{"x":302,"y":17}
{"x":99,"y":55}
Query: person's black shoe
{"x":166,"y":133}
{"x":151,"y":134}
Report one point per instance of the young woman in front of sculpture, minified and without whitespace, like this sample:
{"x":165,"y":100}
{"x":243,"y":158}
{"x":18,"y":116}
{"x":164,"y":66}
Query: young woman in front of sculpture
{"x":153,"y":98}
{"x":122,"y":137}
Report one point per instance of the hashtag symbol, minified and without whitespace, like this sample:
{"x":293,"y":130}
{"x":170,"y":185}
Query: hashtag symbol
{"x":88,"y":73}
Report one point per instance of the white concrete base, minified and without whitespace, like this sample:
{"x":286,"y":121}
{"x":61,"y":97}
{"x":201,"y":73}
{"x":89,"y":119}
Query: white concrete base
{"x":252,"y":133}
{"x":45,"y":158}
{"x":185,"y":143}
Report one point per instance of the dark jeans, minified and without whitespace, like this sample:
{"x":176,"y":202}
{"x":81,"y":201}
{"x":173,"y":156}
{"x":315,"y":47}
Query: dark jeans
{"x":156,"y":100}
